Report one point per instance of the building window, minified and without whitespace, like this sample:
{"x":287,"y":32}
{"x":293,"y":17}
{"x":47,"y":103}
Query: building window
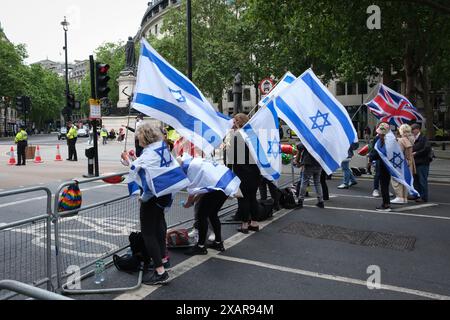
{"x":351,"y":88}
{"x":340,"y":88}
{"x":362,"y":87}
{"x":156,"y":29}
{"x":246,"y":95}
{"x":230,"y":96}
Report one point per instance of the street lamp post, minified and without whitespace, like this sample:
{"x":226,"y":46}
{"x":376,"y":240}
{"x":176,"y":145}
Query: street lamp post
{"x":65,"y":25}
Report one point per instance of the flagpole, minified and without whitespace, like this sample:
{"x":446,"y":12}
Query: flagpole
{"x":370,"y":93}
{"x":128,"y":118}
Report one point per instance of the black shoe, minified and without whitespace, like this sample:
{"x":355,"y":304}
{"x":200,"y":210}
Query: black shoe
{"x":383,"y":209}
{"x":196,"y":250}
{"x":299,"y":204}
{"x":153,"y":278}
{"x":18,"y":165}
{"x":321,"y":205}
{"x":166,"y":265}
{"x":254,"y":229}
{"x":217,"y":246}
{"x":244,"y":231}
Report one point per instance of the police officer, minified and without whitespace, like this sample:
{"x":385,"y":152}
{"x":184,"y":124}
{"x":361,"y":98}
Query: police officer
{"x":22,"y":143}
{"x":72,"y":134}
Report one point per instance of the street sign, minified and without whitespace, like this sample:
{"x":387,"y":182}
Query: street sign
{"x":96,"y":111}
{"x":266,"y":85}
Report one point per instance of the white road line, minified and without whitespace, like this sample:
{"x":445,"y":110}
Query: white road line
{"x":421,"y":206}
{"x":44,"y":197}
{"x":2,"y":224}
{"x":388,"y":213}
{"x":334,"y":278}
{"x":195,"y":261}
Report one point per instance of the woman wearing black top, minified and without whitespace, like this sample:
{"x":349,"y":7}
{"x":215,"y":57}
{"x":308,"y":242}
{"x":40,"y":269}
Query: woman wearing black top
{"x":244,"y":166}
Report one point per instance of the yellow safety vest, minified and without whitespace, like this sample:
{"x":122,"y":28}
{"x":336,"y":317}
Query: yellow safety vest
{"x":103,"y":133}
{"x":73,"y":133}
{"x":21,"y":136}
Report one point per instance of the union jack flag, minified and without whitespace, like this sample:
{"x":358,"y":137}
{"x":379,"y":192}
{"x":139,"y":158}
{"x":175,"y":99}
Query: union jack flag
{"x":393,"y":108}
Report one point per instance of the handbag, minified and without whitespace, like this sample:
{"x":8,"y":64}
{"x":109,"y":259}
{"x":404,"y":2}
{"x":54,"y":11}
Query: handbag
{"x":70,"y":199}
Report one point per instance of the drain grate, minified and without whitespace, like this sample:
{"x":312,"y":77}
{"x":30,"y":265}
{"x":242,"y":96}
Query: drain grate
{"x":356,"y":237}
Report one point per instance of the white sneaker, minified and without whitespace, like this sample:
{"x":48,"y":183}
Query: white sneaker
{"x":399,"y":201}
{"x":212,"y":237}
{"x":376,"y":193}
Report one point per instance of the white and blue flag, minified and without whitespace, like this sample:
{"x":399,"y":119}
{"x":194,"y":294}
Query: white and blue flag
{"x":207,"y":176}
{"x":286,"y":81}
{"x":164,"y":93}
{"x":262,"y":137}
{"x":394,"y":160}
{"x":320,"y":121}
{"x":156,"y":173}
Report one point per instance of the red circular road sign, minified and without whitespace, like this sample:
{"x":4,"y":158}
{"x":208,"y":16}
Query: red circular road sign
{"x":266,"y":85}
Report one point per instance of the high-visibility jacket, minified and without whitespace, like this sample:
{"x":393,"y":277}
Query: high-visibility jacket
{"x":73,"y":133}
{"x":103,"y":133}
{"x":21,"y":136}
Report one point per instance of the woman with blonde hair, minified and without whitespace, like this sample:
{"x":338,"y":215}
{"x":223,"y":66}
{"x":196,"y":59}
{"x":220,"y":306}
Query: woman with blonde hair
{"x":406,"y":142}
{"x":156,"y":176}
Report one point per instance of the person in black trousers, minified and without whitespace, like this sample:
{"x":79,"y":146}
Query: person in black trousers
{"x":421,"y":151}
{"x":385,"y":176}
{"x":275,"y":193}
{"x":244,"y":166}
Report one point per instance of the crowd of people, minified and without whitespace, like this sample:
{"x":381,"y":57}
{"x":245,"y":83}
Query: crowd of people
{"x":241,"y":165}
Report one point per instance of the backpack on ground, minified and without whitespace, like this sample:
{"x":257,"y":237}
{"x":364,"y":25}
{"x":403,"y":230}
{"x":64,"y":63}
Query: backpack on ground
{"x":131,"y":263}
{"x":287,"y":199}
{"x":178,"y":238}
{"x":265,"y":210}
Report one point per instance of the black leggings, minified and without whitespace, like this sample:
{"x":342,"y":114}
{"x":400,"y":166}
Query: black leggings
{"x":323,"y":183}
{"x":385,"y":179}
{"x":208,"y":207}
{"x":154,"y":229}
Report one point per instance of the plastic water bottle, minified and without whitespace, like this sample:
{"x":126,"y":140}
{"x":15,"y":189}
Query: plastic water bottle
{"x":99,"y":276}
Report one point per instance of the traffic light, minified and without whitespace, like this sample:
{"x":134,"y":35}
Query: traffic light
{"x":102,"y":78}
{"x":26,"y":104}
{"x":71,"y":101}
{"x":19,"y":104}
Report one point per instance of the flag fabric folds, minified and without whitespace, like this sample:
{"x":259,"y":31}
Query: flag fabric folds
{"x":156,"y":173}
{"x":393,"y":108}
{"x":287,"y":79}
{"x":207,"y":176}
{"x":164,"y":93}
{"x":262,"y":137}
{"x":394,"y":159}
{"x":321,"y":121}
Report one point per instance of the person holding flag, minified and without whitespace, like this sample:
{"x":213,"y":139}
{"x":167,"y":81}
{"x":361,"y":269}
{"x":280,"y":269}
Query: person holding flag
{"x":392,"y":164}
{"x":210,"y":186}
{"x":155,"y":175}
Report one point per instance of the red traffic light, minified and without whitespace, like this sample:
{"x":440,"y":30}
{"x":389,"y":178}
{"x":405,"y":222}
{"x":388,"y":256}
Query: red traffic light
{"x":103,"y":68}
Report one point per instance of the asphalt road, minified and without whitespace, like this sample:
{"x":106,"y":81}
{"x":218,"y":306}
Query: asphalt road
{"x":300,"y":254}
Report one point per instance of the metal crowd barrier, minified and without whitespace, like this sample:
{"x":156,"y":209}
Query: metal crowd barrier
{"x":81,"y":237}
{"x":25,"y":246}
{"x":30,"y":291}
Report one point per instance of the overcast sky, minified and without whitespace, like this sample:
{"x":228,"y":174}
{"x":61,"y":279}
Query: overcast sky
{"x":37,"y":23}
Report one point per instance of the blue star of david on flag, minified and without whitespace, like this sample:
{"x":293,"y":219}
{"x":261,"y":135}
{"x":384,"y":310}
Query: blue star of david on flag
{"x":166,"y":157}
{"x":274,"y":148}
{"x":325,"y":122}
{"x":397,"y":160}
{"x":178,"y":95}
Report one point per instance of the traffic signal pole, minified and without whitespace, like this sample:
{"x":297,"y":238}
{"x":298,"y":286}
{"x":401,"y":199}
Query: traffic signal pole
{"x":94,"y":121}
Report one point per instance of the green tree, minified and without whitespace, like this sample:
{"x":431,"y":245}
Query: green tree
{"x":46,"y":91}
{"x":12,"y":69}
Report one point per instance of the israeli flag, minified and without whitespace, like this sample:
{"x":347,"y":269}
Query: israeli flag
{"x":207,"y":176}
{"x":262,"y":137}
{"x":164,"y":93}
{"x":321,"y":121}
{"x":156,"y":172}
{"x":394,"y":160}
{"x":286,"y":81}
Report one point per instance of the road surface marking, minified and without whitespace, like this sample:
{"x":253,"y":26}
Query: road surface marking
{"x":421,"y":206}
{"x":187,"y":265}
{"x":334,"y":278}
{"x":381,"y":212}
{"x":45,"y":197}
